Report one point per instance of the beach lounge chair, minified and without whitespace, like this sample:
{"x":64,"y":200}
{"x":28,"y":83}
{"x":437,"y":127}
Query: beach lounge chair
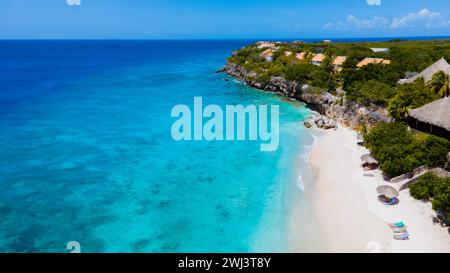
{"x":397,"y":224}
{"x":402,"y":236}
{"x":399,"y":229}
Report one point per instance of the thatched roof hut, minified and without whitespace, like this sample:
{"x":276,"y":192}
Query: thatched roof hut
{"x":428,"y":73}
{"x":433,"y":118}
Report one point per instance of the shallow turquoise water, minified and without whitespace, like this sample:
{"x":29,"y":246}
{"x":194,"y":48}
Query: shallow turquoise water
{"x":87,"y":155}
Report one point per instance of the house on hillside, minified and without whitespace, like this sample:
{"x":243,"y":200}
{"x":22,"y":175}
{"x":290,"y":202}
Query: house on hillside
{"x":367,"y":61}
{"x":432,"y":118}
{"x":287,"y":53}
{"x":267,"y":54}
{"x":263,"y":44}
{"x":318,"y":59}
{"x":301,"y":55}
{"x":428,"y":73}
{"x":338,"y":62}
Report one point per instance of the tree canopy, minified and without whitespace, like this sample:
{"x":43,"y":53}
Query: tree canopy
{"x":400,"y":151}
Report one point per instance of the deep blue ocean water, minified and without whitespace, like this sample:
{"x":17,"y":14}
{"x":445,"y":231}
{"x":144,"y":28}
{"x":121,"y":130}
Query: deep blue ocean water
{"x":86,"y":152}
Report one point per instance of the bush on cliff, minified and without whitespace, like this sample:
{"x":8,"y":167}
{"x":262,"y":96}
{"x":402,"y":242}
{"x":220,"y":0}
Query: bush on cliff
{"x":371,"y":91}
{"x":300,"y":72}
{"x":310,"y":74}
{"x":387,"y":74}
{"x":246,"y":55}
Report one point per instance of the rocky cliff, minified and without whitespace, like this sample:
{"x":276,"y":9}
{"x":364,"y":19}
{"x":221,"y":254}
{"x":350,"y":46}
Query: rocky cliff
{"x":336,"y":106}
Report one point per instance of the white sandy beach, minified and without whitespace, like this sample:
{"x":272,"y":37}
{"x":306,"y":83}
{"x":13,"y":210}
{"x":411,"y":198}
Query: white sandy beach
{"x":347,"y":208}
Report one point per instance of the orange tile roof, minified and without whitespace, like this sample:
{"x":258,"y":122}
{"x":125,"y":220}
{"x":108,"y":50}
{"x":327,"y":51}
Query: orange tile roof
{"x":339,"y":60}
{"x":267,"y":53}
{"x":367,"y":61}
{"x":318,"y":58}
{"x":301,"y":55}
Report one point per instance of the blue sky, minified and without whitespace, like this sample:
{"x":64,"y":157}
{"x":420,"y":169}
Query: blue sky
{"x":174,"y":19}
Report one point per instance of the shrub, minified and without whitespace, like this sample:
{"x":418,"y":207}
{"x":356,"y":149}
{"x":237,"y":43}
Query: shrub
{"x":431,"y":187}
{"x":300,"y":72}
{"x":399,"y":151}
{"x":371,"y":91}
{"x":423,"y":188}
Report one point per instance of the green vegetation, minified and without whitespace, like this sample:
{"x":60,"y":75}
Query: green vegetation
{"x":430,"y":187}
{"x":371,"y":84}
{"x":310,"y":74}
{"x":371,"y":91}
{"x":410,"y":96}
{"x":400,"y":151}
{"x":440,"y":84}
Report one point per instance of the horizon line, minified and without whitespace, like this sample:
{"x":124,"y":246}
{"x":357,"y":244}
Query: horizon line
{"x":226,"y":38}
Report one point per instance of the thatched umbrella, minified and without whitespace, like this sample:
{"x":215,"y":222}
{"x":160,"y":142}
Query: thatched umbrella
{"x":368,"y":159}
{"x":387,"y":191}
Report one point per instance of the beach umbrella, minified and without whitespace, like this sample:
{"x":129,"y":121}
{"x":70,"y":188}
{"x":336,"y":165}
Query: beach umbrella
{"x":387,"y":191}
{"x":367,"y":158}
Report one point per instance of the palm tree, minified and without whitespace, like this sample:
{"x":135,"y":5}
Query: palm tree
{"x":440,"y":83}
{"x":399,"y":108}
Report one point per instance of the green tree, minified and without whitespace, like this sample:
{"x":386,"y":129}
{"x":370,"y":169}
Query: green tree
{"x":300,"y":72}
{"x":440,"y":84}
{"x":371,"y":91}
{"x":400,"y":151}
{"x":410,"y":96}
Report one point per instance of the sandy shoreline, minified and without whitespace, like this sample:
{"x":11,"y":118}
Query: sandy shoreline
{"x":346,"y":206}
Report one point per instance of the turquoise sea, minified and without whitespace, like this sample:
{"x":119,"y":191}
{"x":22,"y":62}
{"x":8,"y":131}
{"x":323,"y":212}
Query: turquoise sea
{"x":86,"y":152}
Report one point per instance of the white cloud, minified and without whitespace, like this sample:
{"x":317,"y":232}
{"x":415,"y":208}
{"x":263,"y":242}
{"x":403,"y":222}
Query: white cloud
{"x":353,"y":22}
{"x":375,"y":22}
{"x":422,"y":18}
{"x":374,"y":2}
